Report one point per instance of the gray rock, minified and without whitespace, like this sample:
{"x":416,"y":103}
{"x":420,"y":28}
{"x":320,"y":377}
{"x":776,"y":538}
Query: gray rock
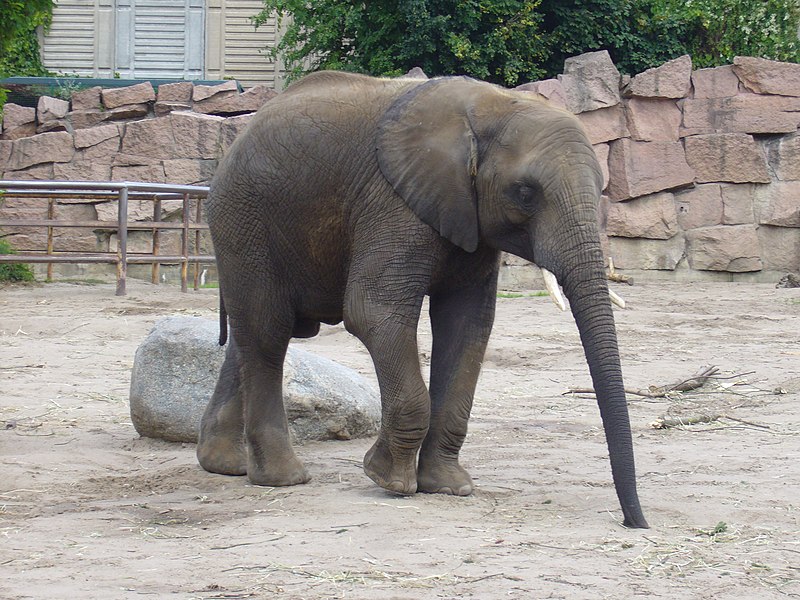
{"x":590,"y":81}
{"x":175,"y":371}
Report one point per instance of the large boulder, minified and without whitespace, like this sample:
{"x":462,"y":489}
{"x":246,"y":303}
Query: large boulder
{"x":175,"y":371}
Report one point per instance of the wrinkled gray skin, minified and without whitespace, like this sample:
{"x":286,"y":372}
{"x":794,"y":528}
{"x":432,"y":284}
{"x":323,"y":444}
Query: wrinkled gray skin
{"x":351,"y":198}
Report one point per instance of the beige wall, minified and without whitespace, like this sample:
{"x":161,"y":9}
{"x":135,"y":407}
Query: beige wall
{"x":91,"y":38}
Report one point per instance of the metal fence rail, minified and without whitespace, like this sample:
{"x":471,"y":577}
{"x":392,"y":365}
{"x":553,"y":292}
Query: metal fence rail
{"x":50,"y":192}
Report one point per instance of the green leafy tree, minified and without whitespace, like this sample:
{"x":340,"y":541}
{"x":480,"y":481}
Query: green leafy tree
{"x":715,"y":31}
{"x":497,"y":41}
{"x":19,"y":43}
{"x":637,"y":34}
{"x":19,"y":17}
{"x":508,"y":41}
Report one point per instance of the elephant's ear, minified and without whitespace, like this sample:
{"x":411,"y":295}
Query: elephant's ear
{"x":428,"y":152}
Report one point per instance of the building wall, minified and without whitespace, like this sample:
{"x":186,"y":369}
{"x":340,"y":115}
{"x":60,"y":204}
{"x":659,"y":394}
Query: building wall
{"x":161,"y":39}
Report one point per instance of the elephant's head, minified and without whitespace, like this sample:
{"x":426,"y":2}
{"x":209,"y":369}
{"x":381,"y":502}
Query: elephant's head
{"x":483,"y":165}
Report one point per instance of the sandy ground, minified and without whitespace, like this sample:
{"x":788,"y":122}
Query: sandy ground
{"x":88,"y":509}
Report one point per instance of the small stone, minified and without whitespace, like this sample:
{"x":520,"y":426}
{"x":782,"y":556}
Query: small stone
{"x":84,"y":119}
{"x":737,"y":203}
{"x":202,"y":92}
{"x":652,"y":217}
{"x":164,"y":108}
{"x":127,"y":112}
{"x":91,"y":137}
{"x":231,"y":127}
{"x":700,"y":206}
{"x":141,"y":93}
{"x":605,"y":124}
{"x":415,"y":73}
{"x":645,"y":254}
{"x":550,"y":90}
{"x":88,"y":99}
{"x":670,"y":80}
{"x":179,"y":92}
{"x":733,"y":248}
{"x":768,"y":76}
{"x":233,"y":103}
{"x":59,"y":125}
{"x":51,"y":109}
{"x":717,"y":82}
{"x":641,"y":168}
{"x":746,"y":113}
{"x":590,"y":81}
{"x":729,"y":157}
{"x":653,"y":119}
{"x":778,"y":204}
{"x":43,"y":148}
{"x":15,"y":115}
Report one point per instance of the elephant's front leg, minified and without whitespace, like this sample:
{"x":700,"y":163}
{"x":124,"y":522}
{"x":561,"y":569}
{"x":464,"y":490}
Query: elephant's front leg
{"x":461,"y":321}
{"x":405,"y":405}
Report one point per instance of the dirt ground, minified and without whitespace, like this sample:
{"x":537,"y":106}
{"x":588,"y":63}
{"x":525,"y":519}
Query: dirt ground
{"x":88,"y":509}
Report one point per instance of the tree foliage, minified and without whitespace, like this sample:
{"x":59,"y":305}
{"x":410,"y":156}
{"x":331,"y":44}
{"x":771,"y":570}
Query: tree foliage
{"x":19,"y":17}
{"x":498,"y":41}
{"x":19,"y":43}
{"x":717,"y":30}
{"x":508,"y":41}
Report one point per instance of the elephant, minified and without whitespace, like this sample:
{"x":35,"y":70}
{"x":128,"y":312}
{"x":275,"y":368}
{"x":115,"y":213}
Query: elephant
{"x":350,"y":199}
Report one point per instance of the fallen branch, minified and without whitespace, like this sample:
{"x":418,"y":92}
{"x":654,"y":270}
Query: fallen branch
{"x":617,"y":277}
{"x":670,"y":422}
{"x":695,"y":381}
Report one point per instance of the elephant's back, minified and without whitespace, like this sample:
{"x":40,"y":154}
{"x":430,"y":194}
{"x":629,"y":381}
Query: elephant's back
{"x":316,"y":137}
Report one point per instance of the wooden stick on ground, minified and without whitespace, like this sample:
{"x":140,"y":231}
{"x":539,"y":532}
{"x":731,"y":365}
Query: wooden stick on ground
{"x":617,"y":277}
{"x":697,"y":380}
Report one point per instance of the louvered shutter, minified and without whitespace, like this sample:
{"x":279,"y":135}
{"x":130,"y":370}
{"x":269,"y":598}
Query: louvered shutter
{"x":160,"y":39}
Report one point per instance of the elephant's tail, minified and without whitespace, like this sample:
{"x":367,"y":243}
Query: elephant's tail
{"x":223,"y":321}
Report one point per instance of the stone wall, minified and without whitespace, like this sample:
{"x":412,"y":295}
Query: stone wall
{"x":173,"y":135}
{"x":702,"y":167}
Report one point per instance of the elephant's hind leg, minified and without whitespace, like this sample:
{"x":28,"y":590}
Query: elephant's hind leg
{"x":221,"y":446}
{"x":461,"y":323}
{"x":262,"y":344}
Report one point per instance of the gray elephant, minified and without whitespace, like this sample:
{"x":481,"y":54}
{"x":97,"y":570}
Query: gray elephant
{"x":350,"y":198}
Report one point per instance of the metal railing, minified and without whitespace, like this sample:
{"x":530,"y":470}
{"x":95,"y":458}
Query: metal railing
{"x":52,"y":191}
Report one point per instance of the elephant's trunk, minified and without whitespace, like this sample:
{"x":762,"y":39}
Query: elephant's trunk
{"x":586,"y":288}
{"x":574,"y":256}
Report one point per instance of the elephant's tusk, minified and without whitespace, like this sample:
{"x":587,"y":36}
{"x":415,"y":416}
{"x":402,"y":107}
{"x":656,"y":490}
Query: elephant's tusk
{"x":551,"y":284}
{"x":615,"y":298}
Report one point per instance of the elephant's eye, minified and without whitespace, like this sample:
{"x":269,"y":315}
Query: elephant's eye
{"x":527,"y":196}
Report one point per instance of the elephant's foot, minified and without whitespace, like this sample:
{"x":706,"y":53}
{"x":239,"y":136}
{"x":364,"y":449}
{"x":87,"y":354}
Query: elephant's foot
{"x":222,"y":455}
{"x":443,"y":476}
{"x":389,"y":471}
{"x":279,"y":469}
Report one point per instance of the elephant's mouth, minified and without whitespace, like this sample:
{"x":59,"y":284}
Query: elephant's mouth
{"x":554,"y":289}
